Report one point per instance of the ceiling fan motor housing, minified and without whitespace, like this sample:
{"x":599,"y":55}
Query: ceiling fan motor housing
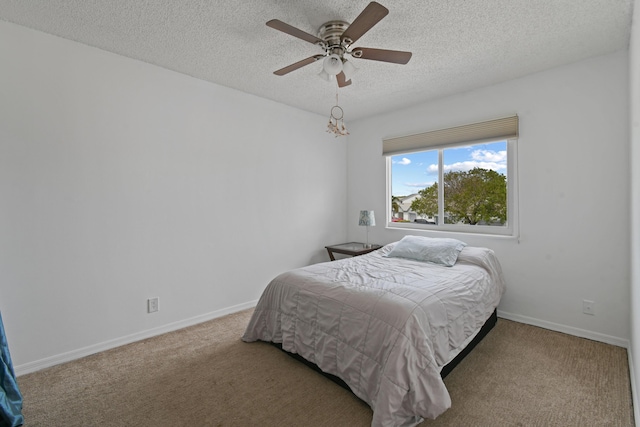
{"x":331,"y":33}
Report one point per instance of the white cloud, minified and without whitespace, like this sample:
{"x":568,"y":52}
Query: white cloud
{"x":489,"y":156}
{"x":404,"y":161}
{"x":419,"y":184}
{"x":485,"y":159}
{"x":468,"y":165}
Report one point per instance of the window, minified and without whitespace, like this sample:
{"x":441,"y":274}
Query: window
{"x":466,"y":184}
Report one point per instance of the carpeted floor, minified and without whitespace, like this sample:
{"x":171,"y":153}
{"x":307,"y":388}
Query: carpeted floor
{"x":519,"y":375}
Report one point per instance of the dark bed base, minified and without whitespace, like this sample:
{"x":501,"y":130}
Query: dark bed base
{"x":488,"y":325}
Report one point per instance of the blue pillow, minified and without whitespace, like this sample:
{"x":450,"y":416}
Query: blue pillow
{"x":441,"y":251}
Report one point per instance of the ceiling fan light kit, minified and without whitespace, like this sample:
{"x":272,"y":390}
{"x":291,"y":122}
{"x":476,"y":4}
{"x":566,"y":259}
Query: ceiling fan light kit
{"x":326,"y":76}
{"x":332,"y":64}
{"x":348,"y":69}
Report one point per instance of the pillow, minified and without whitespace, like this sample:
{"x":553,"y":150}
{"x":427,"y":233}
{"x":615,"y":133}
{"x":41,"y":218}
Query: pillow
{"x":441,"y":251}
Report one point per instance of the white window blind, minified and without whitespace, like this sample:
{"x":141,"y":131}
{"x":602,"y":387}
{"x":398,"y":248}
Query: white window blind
{"x":504,"y":128}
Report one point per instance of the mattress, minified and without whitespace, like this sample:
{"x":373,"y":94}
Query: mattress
{"x":385,"y":326}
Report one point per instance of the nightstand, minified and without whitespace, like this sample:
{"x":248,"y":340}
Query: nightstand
{"x":351,"y":248}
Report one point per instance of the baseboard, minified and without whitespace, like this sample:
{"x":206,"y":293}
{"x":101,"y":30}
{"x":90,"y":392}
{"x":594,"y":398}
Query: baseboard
{"x":634,"y":395}
{"x":570,"y":330}
{"x":37,"y":365}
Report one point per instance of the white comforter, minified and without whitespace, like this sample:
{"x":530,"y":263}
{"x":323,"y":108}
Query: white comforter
{"x":386,"y":326}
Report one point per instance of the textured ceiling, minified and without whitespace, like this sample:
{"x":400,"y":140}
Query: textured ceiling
{"x":457,"y":45}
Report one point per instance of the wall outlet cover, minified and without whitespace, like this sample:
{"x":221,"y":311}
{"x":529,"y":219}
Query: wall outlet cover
{"x":588,"y":307}
{"x":153,"y":305}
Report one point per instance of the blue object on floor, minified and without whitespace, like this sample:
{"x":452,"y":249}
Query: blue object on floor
{"x":10,"y":397}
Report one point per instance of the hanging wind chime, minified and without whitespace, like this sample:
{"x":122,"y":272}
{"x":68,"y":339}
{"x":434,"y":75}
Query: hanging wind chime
{"x":336,"y":120}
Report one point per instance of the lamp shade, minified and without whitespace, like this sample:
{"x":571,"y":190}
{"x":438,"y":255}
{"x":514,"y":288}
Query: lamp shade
{"x":326,"y":76}
{"x":332,"y":64}
{"x":348,"y":69}
{"x":367,"y":218}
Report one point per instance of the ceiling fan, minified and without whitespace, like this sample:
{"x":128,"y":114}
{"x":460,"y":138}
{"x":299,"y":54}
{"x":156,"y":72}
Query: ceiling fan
{"x":336,"y":39}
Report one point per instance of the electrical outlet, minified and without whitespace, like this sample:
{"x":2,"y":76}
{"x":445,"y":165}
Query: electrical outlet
{"x":589,"y":307}
{"x":153,"y":305}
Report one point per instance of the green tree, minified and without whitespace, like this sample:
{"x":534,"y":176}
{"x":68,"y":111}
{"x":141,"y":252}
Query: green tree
{"x":475,"y":196}
{"x":395,"y":204}
{"x":426,"y":204}
{"x":469,"y":197}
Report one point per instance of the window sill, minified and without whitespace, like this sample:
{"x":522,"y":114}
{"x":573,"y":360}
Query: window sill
{"x":483,"y":230}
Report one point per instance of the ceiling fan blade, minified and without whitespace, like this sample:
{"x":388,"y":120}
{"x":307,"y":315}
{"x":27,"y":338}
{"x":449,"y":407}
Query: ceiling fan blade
{"x":286,"y":28}
{"x":370,"y":16}
{"x":341,"y":80}
{"x":299,"y":64}
{"x":395,"y":56}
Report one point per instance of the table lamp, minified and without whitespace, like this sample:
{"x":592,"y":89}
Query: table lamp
{"x":367,"y":218}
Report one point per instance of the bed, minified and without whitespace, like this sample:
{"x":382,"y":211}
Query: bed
{"x":386,"y":323}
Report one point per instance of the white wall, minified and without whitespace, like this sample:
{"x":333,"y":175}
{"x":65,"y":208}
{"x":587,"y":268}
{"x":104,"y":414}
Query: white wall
{"x":574,"y":189}
{"x":115,"y":186}
{"x":634,"y":74}
{"x":121,"y":181}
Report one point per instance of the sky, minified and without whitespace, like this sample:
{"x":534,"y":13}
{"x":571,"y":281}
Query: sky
{"x":412,"y":172}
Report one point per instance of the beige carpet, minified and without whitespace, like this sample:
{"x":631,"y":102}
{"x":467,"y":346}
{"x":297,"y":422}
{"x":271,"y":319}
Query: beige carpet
{"x":204,"y":375}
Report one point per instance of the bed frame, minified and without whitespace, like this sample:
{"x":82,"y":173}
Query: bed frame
{"x":488,"y":325}
{"x":446,"y":370}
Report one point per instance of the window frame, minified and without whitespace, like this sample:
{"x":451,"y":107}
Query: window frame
{"x":511,"y":229}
